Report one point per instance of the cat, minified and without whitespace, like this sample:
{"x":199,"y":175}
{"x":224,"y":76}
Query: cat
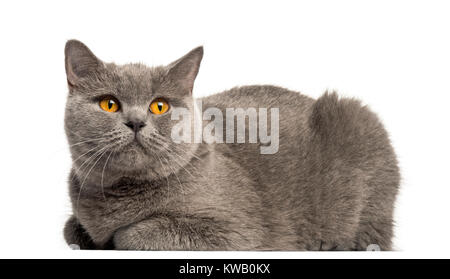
{"x":331,"y":185}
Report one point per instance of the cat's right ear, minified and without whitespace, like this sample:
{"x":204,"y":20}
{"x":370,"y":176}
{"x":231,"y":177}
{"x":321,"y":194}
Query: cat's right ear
{"x":80,"y":62}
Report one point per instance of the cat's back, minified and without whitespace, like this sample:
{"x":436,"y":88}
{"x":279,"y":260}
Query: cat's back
{"x":259,"y":96}
{"x":293,"y":110}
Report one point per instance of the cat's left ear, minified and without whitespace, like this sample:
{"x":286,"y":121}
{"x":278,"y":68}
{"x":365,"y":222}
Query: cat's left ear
{"x":184,"y":70}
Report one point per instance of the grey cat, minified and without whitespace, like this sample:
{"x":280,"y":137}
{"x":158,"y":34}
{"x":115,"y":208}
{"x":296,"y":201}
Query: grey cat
{"x":331,"y":185}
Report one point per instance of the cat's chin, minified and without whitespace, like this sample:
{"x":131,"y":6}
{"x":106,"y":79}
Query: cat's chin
{"x":133,"y":158}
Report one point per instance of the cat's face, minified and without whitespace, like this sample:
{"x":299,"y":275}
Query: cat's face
{"x":118,"y":118}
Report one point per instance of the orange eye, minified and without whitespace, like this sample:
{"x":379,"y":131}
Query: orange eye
{"x":109,"y":104}
{"x":159,"y":106}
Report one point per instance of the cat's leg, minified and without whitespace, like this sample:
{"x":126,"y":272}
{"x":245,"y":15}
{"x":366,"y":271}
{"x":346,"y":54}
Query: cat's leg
{"x":375,"y":235}
{"x":375,"y":228}
{"x":372,"y":229}
{"x":169,"y":233}
{"x":75,"y":234}
{"x":376,"y":223}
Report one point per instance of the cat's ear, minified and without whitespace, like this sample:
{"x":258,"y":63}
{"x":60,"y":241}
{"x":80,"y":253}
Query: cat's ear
{"x":185,"y":70}
{"x":80,"y":62}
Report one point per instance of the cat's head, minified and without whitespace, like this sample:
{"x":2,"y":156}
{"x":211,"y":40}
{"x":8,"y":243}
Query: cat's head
{"x":118,"y":117}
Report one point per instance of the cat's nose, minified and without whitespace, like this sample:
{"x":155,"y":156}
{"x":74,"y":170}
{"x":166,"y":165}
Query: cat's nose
{"x":135,"y":125}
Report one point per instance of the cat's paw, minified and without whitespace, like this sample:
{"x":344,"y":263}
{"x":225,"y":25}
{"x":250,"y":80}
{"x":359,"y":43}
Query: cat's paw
{"x":76,"y":236}
{"x":74,"y":246}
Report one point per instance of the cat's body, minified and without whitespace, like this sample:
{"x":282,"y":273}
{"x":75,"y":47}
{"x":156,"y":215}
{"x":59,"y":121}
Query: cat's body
{"x":331,"y":185}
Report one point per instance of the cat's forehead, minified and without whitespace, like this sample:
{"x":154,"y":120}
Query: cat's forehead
{"x":132,"y":70}
{"x":133,"y":77}
{"x":135,"y":82}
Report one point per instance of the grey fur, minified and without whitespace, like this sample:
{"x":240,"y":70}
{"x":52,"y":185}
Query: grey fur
{"x":331,"y":186}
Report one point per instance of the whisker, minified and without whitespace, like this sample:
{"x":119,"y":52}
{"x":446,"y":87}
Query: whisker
{"x":86,"y":176}
{"x":164,"y":144}
{"x":89,"y":160}
{"x":166,"y":175}
{"x":163,"y":139}
{"x":87,"y":141}
{"x":80,"y":136}
{"x":183,"y":194}
{"x":103,"y":172}
{"x":170,"y":152}
{"x":79,"y":157}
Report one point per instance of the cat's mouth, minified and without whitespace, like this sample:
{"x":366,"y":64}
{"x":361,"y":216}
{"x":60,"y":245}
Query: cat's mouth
{"x":137,"y":143}
{"x":138,"y":146}
{"x":136,"y":150}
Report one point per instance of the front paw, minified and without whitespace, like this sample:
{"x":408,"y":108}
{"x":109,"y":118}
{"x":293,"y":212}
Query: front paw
{"x":76,"y":236}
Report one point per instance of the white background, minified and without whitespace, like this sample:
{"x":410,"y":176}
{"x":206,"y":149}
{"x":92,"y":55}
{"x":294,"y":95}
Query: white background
{"x":394,"y":55}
